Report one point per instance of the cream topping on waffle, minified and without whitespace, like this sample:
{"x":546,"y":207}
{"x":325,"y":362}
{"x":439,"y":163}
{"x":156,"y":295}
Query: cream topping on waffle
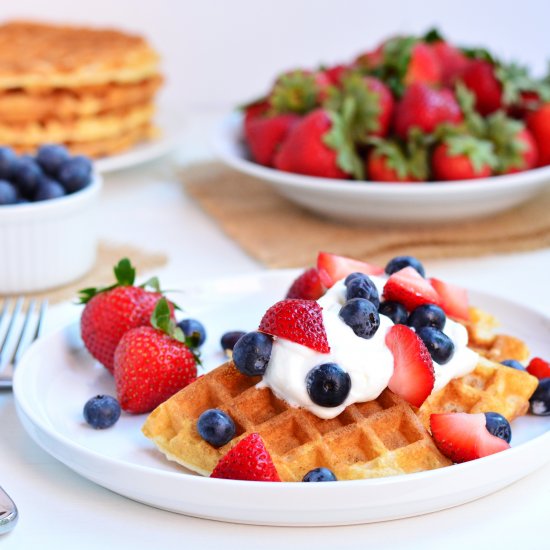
{"x":369,"y":363}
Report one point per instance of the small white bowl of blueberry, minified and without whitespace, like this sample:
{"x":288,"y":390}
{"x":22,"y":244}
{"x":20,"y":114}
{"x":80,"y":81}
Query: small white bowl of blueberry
{"x":48,"y":230}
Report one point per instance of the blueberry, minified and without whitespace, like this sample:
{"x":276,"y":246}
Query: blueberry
{"x":328,"y":385}
{"x":320,"y":474}
{"x":352,"y":276}
{"x":252,"y":352}
{"x":427,"y":315}
{"x":8,"y":158}
{"x":539,"y":403}
{"x":101,"y":411}
{"x":497,"y":425}
{"x":48,"y":189}
{"x":229,"y":339}
{"x":75,"y":173}
{"x":51,"y":157}
{"x":8,"y":193}
{"x":362,"y":316}
{"x":395,"y":311}
{"x":362,"y":287}
{"x":439,"y":345}
{"x":216,"y":427}
{"x":194,"y":330}
{"x":27,"y":174}
{"x":512,"y":363}
{"x":399,"y":262}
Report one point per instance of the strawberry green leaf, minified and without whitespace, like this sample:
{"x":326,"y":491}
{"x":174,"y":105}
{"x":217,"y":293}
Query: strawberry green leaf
{"x":503,"y":132}
{"x":294,"y":92}
{"x":153,"y":283}
{"x":478,"y":53}
{"x":480,"y":152}
{"x":474,"y":123}
{"x":125,"y":273}
{"x":161,"y":317}
{"x":433,"y":35}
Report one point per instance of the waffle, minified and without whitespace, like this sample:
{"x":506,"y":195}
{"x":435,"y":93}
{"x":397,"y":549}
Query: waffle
{"x":100,"y":127}
{"x":24,"y":106}
{"x":374,"y":439}
{"x":35,"y":55}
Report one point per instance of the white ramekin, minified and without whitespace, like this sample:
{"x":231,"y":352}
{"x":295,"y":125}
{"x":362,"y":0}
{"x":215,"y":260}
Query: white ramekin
{"x":49,"y":243}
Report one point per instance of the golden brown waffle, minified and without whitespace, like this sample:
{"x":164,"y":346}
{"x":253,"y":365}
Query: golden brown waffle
{"x":36,"y":55}
{"x":373,"y":439}
{"x":24,"y":106}
{"x":104,"y":126}
{"x":490,"y":387}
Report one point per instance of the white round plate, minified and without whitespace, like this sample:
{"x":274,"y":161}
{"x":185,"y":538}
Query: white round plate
{"x":53,"y":382}
{"x":170,"y":127}
{"x":388,"y":203}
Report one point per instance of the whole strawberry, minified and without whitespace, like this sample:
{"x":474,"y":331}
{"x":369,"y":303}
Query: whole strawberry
{"x":425,"y":108}
{"x":112,"y":311}
{"x":481,"y":79}
{"x":463,"y":158}
{"x":320,"y":145}
{"x":452,"y":60}
{"x":539,"y":125}
{"x":152,"y":363}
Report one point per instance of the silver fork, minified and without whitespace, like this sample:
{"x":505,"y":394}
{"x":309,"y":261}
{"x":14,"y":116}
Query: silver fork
{"x":19,"y":331}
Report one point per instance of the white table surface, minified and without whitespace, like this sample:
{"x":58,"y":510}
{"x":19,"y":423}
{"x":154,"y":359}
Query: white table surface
{"x":59,"y":509}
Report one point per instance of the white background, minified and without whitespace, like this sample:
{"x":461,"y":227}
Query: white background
{"x":220,"y":52}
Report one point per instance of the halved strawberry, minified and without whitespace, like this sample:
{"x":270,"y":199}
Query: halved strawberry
{"x":453,"y":299}
{"x":413,"y":372}
{"x":299,"y":321}
{"x":307,"y":286}
{"x":248,"y":460}
{"x":409,"y":288}
{"x":464,"y":436}
{"x":538,"y":367}
{"x":332,"y":268}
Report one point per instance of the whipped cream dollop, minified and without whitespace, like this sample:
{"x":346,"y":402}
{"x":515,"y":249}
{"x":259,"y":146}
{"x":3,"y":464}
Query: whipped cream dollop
{"x":369,"y":362}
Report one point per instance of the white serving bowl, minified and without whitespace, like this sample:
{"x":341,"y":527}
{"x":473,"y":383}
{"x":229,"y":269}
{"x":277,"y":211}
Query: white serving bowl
{"x":49,"y":243}
{"x":388,"y":203}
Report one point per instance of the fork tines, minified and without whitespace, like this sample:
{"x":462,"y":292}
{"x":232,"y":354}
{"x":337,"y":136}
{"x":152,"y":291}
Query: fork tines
{"x":20,"y":325}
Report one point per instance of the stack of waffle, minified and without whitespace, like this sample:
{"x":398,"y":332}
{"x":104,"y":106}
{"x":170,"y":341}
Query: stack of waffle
{"x":90,"y":89}
{"x":386,"y":436}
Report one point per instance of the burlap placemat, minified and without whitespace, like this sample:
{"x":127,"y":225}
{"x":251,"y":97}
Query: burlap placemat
{"x":280,"y":234}
{"x":101,"y":274}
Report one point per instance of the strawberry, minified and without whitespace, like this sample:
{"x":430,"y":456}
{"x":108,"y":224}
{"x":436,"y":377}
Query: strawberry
{"x":254,"y":110}
{"x":479,"y":76}
{"x":413,"y":372}
{"x":463,"y":157}
{"x":425,"y":108}
{"x":539,"y":125}
{"x":453,"y":299}
{"x":152,"y":363}
{"x":423,"y":66}
{"x":409,"y":288}
{"x":464,"y":436}
{"x":264,"y":136}
{"x":391,"y":161}
{"x":373,"y":104}
{"x":373,"y":59}
{"x":111,"y":311}
{"x":248,"y":460}
{"x":320,"y":145}
{"x":332,"y":268}
{"x":452,"y":61}
{"x":335,"y":73}
{"x":299,"y":321}
{"x":538,"y":367}
{"x":307,"y":286}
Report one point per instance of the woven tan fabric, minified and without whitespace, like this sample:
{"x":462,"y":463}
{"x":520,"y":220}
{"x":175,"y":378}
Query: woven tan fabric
{"x":280,"y":234}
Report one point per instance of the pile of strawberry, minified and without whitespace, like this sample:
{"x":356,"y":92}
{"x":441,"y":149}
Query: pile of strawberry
{"x":414,"y":109}
{"x":131,"y":331}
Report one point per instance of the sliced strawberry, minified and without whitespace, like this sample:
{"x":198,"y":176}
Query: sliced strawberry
{"x":299,"y":321}
{"x":307,"y":286}
{"x":538,"y":367}
{"x":453,"y":299}
{"x":463,"y":436}
{"x":413,"y":372}
{"x":249,"y":460}
{"x":332,"y":268}
{"x":409,"y":288}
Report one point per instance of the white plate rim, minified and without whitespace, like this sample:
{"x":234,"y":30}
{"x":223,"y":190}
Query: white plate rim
{"x":195,"y":484}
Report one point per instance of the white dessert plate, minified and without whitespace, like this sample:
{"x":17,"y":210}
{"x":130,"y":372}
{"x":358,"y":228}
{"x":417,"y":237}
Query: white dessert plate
{"x":170,"y":128}
{"x":383,"y":203}
{"x":55,"y":379}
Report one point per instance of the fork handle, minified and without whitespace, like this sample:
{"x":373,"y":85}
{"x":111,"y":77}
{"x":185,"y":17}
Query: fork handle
{"x":8,"y":512}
